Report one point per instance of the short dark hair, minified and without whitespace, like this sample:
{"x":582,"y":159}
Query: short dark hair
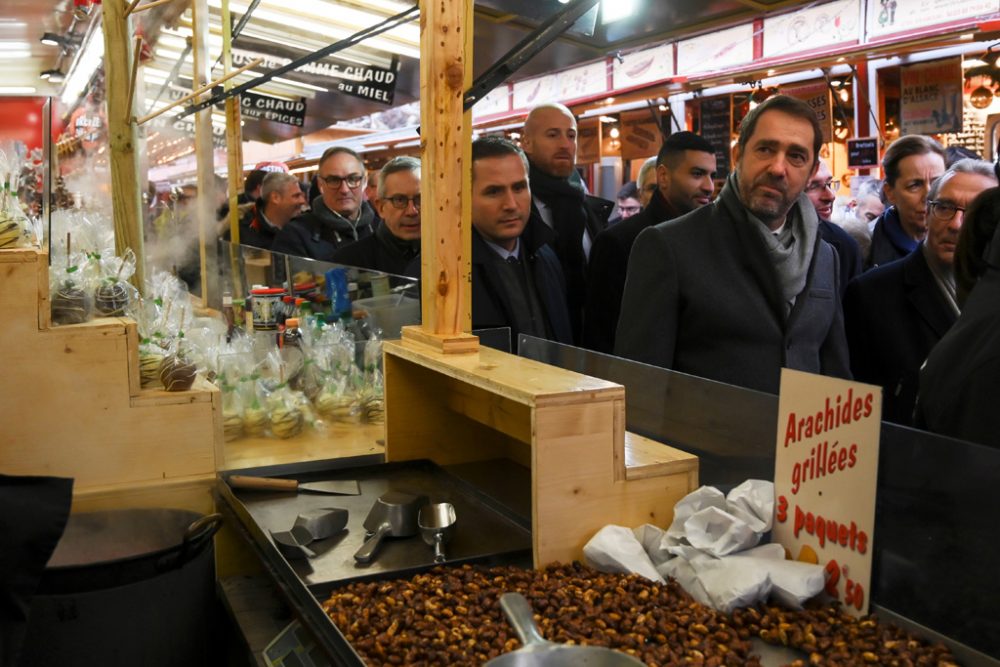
{"x":494,"y":146}
{"x":787,"y":105}
{"x":978,"y":229}
{"x":337,"y":150}
{"x":628,"y":191}
{"x":254,"y":180}
{"x":904,"y":147}
{"x":672,"y":151}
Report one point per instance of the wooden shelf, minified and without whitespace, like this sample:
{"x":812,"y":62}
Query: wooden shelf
{"x":334,"y":441}
{"x":566,"y":428}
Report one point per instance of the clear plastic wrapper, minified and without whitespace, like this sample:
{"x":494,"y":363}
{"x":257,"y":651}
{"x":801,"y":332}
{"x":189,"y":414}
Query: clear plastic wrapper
{"x":17,"y":229}
{"x":114,"y":293}
{"x":70,"y":292}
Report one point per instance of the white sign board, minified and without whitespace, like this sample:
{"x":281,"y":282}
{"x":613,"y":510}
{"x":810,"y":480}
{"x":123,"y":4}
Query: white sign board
{"x":716,"y":51}
{"x":886,"y":17}
{"x":497,"y":101}
{"x":825,"y":477}
{"x":584,"y":81}
{"x":645,"y":66}
{"x":812,"y":28}
{"x":536,"y":91}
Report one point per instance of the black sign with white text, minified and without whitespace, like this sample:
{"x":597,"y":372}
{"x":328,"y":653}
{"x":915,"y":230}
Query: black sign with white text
{"x":862,"y":153}
{"x":274,"y":109}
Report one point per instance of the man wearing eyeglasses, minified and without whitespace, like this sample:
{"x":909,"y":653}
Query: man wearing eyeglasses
{"x":395,"y":246}
{"x":339,"y":216}
{"x":821,"y":190}
{"x":896,"y":313}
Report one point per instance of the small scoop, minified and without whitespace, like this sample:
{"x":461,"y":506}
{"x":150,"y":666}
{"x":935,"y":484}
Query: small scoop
{"x":394,"y":514}
{"x":539,"y":652}
{"x":319,"y":524}
{"x":437,"y":525}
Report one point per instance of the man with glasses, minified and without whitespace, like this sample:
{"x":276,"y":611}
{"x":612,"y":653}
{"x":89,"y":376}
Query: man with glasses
{"x":339,"y":215}
{"x":821,"y":190}
{"x":395,"y":246}
{"x":895,"y":314}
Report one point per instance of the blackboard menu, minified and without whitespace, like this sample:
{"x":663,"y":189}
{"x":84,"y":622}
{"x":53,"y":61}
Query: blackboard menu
{"x":716,"y":129}
{"x":862,"y":153}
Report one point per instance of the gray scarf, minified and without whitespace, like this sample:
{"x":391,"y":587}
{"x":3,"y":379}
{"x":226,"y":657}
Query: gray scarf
{"x":791,"y":250}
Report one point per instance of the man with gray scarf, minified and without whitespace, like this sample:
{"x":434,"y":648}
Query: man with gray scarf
{"x":744,"y":286}
{"x":339,"y":216}
{"x":896,"y":313}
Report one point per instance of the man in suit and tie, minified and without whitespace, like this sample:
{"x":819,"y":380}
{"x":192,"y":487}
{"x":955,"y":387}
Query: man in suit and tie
{"x":517,"y":281}
{"x":896,"y":313}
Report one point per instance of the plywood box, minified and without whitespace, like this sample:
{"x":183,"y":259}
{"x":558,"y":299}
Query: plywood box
{"x":586,"y":472}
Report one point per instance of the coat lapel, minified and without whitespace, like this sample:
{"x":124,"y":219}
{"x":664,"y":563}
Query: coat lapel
{"x":925,"y":295}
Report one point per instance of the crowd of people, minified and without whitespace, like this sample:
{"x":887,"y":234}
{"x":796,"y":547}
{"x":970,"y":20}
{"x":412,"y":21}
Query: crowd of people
{"x":731,"y":286}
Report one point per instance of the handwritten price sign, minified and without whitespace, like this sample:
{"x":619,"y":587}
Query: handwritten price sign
{"x":825,"y":475}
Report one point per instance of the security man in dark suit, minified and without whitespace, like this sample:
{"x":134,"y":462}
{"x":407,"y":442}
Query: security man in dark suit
{"x":895,"y":314}
{"x":685,"y":175}
{"x":559,"y":200}
{"x":517,"y":281}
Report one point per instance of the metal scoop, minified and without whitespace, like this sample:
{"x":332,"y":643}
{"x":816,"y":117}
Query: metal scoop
{"x":437,"y":525}
{"x":394,"y":514}
{"x":538,"y":652}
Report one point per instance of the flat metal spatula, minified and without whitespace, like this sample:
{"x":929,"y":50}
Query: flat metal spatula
{"x":349,"y":487}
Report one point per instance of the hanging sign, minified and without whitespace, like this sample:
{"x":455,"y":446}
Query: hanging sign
{"x":532,"y":92}
{"x":588,"y":141}
{"x":645,"y":66}
{"x":886,"y":17}
{"x":930,"y":97}
{"x":862,"y":153}
{"x":812,"y":28}
{"x":825,"y":478}
{"x":716,"y":129}
{"x":640,"y":135}
{"x":716,"y":50}
{"x":817,"y":95}
{"x":274,"y":109}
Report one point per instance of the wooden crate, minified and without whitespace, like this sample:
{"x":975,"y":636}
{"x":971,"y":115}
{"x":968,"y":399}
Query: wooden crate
{"x":74,"y":408}
{"x":569,"y":429}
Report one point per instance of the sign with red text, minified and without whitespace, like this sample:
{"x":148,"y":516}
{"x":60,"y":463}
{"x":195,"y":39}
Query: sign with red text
{"x":816,"y":94}
{"x":825,"y":476}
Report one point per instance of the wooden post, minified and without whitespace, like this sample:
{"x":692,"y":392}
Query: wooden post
{"x":203,"y":149}
{"x":126,"y":201}
{"x":234,"y":151}
{"x":445,"y":140}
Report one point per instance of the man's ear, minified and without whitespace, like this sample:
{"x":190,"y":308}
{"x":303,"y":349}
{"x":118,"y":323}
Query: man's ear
{"x":663,"y":176}
{"x":736,"y":153}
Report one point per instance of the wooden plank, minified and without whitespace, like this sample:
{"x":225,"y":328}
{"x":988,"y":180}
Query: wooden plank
{"x":648,"y":458}
{"x":516,"y":378}
{"x":419,"y":428}
{"x":188,"y":493}
{"x":126,"y":199}
{"x":203,"y":150}
{"x":461,"y":343}
{"x":334,"y":441}
{"x":575,"y":493}
{"x":445,"y":72}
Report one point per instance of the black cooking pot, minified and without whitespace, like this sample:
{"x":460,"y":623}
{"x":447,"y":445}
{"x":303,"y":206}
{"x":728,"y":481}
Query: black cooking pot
{"x":126,"y":587}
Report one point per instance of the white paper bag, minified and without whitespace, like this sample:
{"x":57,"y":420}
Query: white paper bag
{"x":616,"y":549}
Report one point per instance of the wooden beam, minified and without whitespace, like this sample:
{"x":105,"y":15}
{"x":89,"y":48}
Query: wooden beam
{"x":149,"y":5}
{"x":199,"y":91}
{"x":204,"y":151}
{"x":136,"y":53}
{"x":126,"y":202}
{"x":445,"y":138}
{"x":234,"y":153}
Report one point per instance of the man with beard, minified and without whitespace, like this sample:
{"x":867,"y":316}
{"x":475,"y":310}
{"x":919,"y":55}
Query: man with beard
{"x":820,"y":190}
{"x":339,"y":215}
{"x":684,"y":173}
{"x":895,"y":314}
{"x":281,"y":199}
{"x":911,"y":164}
{"x":559,"y":201}
{"x":743,"y":287}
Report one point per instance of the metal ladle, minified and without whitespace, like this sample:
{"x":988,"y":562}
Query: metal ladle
{"x":437,"y":525}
